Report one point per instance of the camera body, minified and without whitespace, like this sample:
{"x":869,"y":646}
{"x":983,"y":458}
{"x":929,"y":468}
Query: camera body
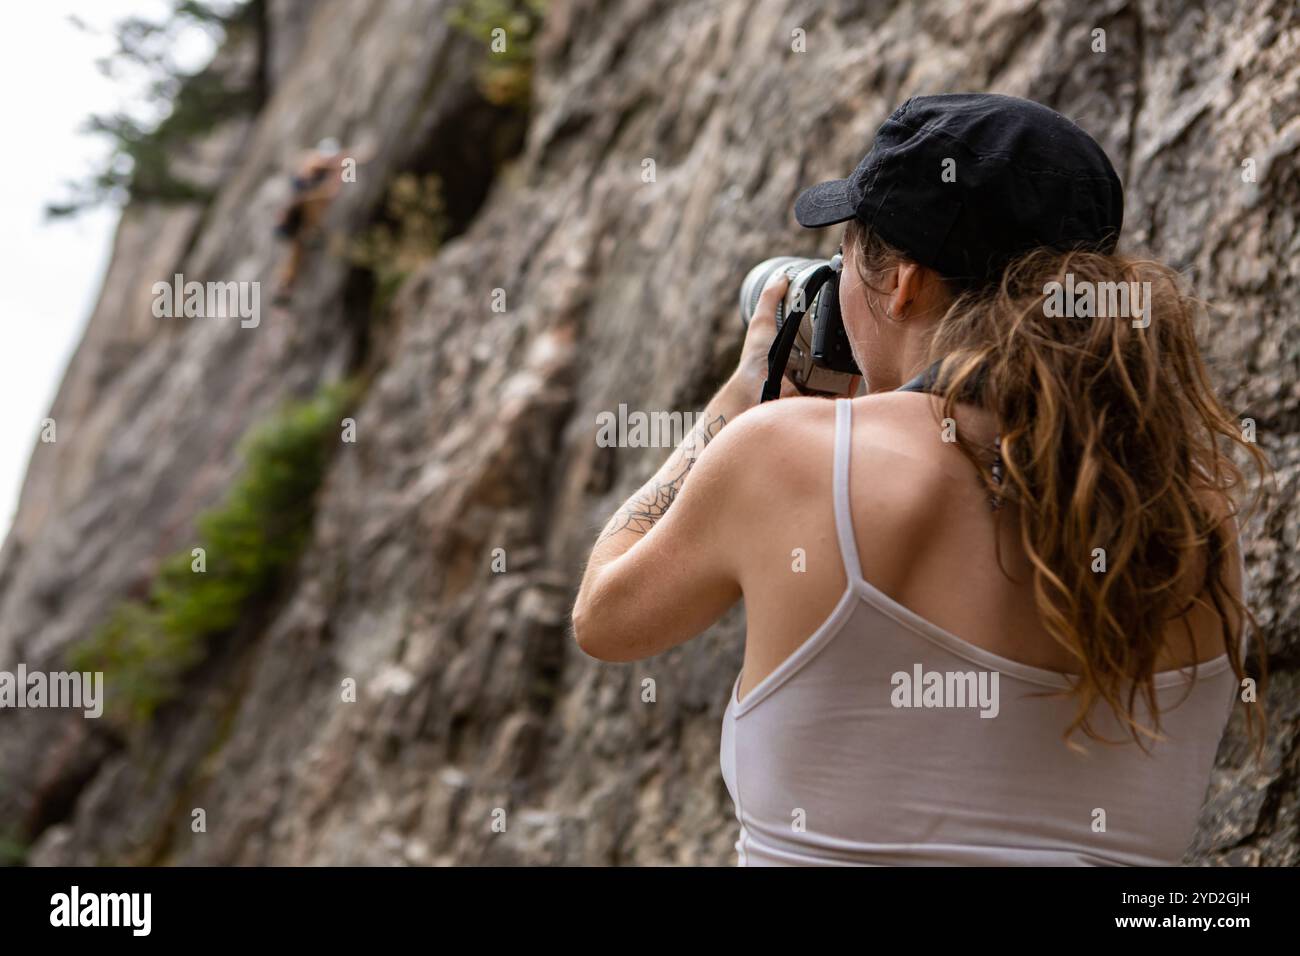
{"x":820,"y":360}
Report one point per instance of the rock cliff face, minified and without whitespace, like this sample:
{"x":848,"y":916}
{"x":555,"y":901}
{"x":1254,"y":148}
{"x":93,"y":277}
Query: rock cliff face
{"x":476,"y":431}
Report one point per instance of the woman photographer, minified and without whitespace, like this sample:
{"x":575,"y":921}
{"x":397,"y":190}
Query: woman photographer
{"x":995,"y":608}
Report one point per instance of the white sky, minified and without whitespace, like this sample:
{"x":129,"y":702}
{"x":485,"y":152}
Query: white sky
{"x":50,"y":271}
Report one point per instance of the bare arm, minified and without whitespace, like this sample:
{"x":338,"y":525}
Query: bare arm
{"x":660,"y":571}
{"x":652,"y":500}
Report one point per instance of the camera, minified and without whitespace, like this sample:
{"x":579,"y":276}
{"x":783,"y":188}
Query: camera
{"x":819,"y":360}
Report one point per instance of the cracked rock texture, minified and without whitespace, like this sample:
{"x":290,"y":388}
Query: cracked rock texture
{"x":477,"y":429}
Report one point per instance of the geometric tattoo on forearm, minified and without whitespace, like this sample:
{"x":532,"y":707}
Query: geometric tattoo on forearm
{"x":651,"y":503}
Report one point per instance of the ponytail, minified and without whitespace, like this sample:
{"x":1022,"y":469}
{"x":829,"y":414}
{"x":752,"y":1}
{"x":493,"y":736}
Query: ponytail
{"x":1111,"y":438}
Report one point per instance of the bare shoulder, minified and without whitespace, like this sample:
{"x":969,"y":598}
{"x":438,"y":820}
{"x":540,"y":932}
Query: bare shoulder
{"x":900,"y":419}
{"x":792,"y":421}
{"x":788,"y":417}
{"x":791,"y":441}
{"x":778,"y":443}
{"x":904,"y":440}
{"x":903,"y":459}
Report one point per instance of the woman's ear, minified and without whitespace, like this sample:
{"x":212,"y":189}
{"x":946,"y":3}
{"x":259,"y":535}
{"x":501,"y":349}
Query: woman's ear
{"x":918,"y":288}
{"x":907,"y":278}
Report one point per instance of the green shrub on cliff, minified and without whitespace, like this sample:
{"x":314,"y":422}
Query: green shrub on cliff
{"x":410,"y":232}
{"x":146,"y":647}
{"x":13,"y":851}
{"x":508,"y":30}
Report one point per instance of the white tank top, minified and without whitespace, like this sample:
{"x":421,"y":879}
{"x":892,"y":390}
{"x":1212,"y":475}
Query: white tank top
{"x":869,"y":746}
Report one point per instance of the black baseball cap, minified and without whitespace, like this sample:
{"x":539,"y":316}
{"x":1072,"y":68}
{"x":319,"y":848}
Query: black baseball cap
{"x":1021,"y":177}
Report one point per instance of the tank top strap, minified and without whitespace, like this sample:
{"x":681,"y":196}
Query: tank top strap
{"x":840,"y":489}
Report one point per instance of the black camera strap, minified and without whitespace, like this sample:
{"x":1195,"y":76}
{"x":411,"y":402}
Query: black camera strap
{"x":925,"y":382}
{"x":779,"y":354}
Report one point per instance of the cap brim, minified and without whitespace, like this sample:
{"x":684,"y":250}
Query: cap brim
{"x":825,"y":204}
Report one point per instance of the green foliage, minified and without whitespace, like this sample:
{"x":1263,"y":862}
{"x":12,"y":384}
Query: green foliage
{"x":12,"y":852}
{"x":139,"y":166}
{"x":412,"y":230}
{"x":505,"y":77}
{"x":146,"y":648}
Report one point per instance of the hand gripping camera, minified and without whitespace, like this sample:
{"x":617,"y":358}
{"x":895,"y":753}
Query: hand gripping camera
{"x":811,"y":346}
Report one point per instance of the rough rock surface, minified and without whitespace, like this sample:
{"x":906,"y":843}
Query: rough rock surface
{"x":477,"y":431}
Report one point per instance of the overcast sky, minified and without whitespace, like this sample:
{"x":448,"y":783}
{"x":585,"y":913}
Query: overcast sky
{"x":50,"y":271}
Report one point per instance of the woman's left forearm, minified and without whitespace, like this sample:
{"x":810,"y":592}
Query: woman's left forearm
{"x":639,"y":513}
{"x":634,"y":519}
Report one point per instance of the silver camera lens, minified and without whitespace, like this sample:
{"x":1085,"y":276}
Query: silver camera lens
{"x":795,"y":268}
{"x":801,"y":367}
